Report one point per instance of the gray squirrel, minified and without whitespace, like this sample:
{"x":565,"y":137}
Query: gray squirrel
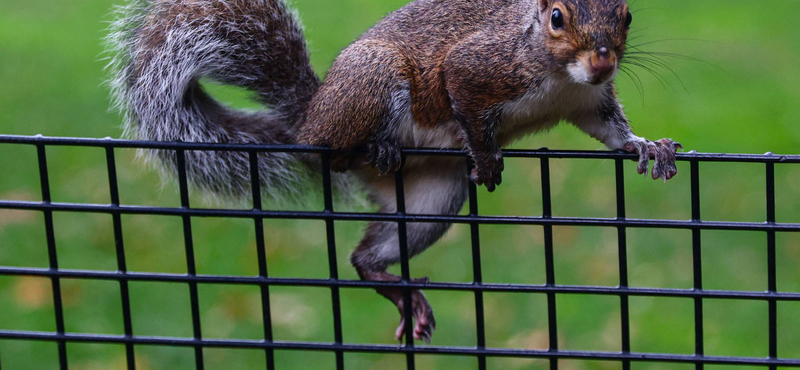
{"x":472,"y":74}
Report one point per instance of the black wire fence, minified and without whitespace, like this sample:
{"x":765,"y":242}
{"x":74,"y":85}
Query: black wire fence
{"x":409,"y":349}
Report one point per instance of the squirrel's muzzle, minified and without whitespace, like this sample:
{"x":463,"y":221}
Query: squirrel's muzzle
{"x":593,"y":67}
{"x":602,"y":65}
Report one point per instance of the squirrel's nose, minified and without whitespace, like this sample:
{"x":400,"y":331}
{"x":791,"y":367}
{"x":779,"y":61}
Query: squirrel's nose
{"x":603,"y":62}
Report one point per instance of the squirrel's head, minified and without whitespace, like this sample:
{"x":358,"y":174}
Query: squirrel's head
{"x":586,"y":37}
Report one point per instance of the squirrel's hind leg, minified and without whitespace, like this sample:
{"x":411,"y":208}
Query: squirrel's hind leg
{"x":364,"y":101}
{"x":437,"y":186}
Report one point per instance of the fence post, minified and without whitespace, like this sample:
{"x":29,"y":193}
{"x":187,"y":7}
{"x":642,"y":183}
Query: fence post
{"x":122,"y":265}
{"x":547,"y":213}
{"x":44,"y":179}
{"x":477,"y":271}
{"x":190,"y":260}
{"x":330,"y":231}
{"x":261,"y":255}
{"x":772,"y":281}
{"x":697,"y":264}
{"x":622,"y":240}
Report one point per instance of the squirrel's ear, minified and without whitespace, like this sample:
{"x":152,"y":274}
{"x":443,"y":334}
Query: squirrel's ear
{"x":543,"y":5}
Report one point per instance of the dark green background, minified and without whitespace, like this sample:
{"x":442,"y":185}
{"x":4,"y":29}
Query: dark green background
{"x":743,"y":97}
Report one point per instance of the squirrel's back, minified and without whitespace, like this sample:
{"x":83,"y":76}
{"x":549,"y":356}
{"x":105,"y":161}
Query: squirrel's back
{"x":398,"y":65}
{"x":432,"y":26}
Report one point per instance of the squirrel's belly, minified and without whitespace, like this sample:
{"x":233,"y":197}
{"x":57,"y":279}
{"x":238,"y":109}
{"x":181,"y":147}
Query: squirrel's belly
{"x":411,"y":134}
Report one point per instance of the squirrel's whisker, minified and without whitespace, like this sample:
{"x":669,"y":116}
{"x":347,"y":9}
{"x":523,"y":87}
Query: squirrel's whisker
{"x":634,"y":78}
{"x":661,"y":79}
{"x":675,"y":56}
{"x":672,"y":39}
{"x":658,"y":62}
{"x":646,"y":9}
{"x":643,"y":29}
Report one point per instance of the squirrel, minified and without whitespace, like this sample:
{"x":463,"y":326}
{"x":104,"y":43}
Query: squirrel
{"x":469,"y":74}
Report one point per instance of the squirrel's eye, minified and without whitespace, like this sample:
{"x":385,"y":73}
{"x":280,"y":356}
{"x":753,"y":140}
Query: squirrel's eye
{"x":628,"y":20}
{"x":557,"y":20}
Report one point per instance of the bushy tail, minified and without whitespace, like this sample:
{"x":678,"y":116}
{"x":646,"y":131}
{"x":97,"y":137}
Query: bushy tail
{"x":161,"y":50}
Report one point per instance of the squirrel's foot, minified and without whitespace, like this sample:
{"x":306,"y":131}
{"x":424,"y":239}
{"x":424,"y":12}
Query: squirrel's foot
{"x":424,"y":322}
{"x":488,"y":171}
{"x":385,"y":156}
{"x":662,"y":150}
{"x":421,"y":311}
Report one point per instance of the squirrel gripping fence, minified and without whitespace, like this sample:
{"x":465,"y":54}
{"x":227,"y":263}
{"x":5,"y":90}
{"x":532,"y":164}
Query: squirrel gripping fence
{"x":551,"y":289}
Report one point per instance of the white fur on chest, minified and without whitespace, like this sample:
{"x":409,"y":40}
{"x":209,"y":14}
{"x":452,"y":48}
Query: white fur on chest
{"x":555,"y":99}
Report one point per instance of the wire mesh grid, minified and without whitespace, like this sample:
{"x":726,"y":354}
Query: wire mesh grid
{"x":478,"y":287}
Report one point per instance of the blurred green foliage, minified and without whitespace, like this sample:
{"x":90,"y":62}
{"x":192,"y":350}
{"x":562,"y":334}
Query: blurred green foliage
{"x":741,"y":96}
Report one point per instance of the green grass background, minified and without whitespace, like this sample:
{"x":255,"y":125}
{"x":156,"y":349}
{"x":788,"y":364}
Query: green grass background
{"x":743,"y":97}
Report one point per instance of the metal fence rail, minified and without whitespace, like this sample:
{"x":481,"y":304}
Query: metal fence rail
{"x":334,"y":283}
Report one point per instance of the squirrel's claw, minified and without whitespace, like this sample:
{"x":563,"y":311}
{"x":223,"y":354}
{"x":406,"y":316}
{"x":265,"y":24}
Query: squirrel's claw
{"x":423,"y":328}
{"x":384,"y":155}
{"x":663,"y":151}
{"x":488,"y":171}
{"x":424,"y":322}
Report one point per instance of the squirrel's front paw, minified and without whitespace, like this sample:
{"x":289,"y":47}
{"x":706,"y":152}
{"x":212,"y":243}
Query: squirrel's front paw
{"x":488,"y":171}
{"x":662,"y":150}
{"x":385,"y":156}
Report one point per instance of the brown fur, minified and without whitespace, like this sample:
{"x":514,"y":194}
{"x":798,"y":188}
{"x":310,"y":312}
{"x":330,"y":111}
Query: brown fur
{"x":460,"y":58}
{"x":421,"y":37}
{"x":588,"y":25}
{"x":346,"y":111}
